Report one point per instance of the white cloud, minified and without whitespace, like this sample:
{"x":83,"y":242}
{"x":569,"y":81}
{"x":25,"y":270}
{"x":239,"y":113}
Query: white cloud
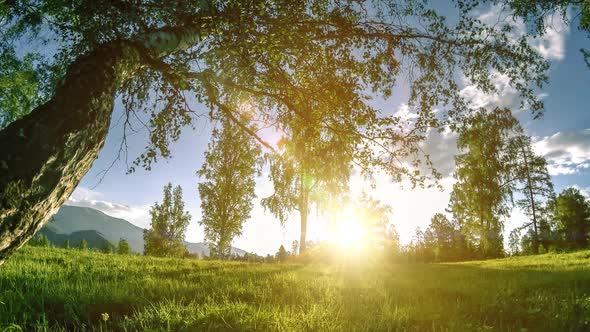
{"x":442,"y":148}
{"x":566,"y":152}
{"x":503,"y":96}
{"x":584,"y":191}
{"x":405,"y":113}
{"x":84,"y":197}
{"x":551,"y":45}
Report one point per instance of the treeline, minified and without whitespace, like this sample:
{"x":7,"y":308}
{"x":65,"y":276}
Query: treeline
{"x":498,"y":171}
{"x":122,"y":248}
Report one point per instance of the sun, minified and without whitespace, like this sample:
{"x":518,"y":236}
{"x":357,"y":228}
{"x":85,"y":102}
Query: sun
{"x":350,"y":233}
{"x":349,"y":230}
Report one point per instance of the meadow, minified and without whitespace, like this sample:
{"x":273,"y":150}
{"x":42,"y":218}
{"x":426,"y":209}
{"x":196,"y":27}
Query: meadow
{"x":70,"y":290}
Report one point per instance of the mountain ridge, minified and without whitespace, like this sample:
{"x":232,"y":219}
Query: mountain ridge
{"x":73,"y":222}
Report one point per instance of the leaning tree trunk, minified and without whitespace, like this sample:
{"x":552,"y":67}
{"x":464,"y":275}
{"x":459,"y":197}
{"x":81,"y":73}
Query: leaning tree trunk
{"x":45,"y":154}
{"x":532,"y":201}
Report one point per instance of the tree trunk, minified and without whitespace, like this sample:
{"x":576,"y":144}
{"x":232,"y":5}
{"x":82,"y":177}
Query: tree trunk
{"x":303,"y":213}
{"x":532,"y":200}
{"x":302,"y":238}
{"x":46,"y":153}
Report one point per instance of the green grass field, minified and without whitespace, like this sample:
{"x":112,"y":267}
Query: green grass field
{"x":57,"y":289}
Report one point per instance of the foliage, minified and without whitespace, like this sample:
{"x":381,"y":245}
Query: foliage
{"x":308,"y":69}
{"x":83,"y":245}
{"x":449,"y":242}
{"x":64,"y":290}
{"x":480,"y":198}
{"x":231,"y":163}
{"x":282,"y":254}
{"x":21,"y":81}
{"x":375,"y":216}
{"x":571,"y":213}
{"x":123,"y":248}
{"x":107,"y":248}
{"x":537,"y":188}
{"x":165,"y":237}
{"x":540,"y":14}
{"x":315,"y":74}
{"x":311,"y":169}
{"x":66,"y":244}
{"x":40,"y":241}
{"x":514,"y":242}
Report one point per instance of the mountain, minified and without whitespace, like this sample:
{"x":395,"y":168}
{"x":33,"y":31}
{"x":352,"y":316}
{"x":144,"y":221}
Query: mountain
{"x":75,"y":223}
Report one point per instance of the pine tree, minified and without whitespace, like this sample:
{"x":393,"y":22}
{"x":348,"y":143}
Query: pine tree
{"x":168,"y":226}
{"x":66,"y":244}
{"x":535,"y":184}
{"x":281,"y":254}
{"x":123,"y":247}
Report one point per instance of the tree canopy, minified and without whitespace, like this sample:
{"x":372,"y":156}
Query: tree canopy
{"x":322,"y":70}
{"x":320,"y":63}
{"x":483,"y":189}
{"x":165,"y":237}
{"x":227,"y":192}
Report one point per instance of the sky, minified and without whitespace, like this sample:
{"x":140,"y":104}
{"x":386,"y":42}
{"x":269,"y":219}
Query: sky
{"x":562,"y":136}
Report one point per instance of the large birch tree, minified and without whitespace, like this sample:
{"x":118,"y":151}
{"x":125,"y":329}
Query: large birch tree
{"x":158,"y":56}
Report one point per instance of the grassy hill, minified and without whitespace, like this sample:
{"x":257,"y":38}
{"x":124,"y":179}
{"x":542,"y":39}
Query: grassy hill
{"x":68,"y":290}
{"x":74,"y":223}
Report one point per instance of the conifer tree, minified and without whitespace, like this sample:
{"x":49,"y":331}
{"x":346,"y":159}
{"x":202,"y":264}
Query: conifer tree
{"x":123,"y":247}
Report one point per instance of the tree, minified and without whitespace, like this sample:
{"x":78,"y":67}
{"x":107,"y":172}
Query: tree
{"x":313,"y":166}
{"x":444,"y":234}
{"x":571,"y":212}
{"x":537,"y":188}
{"x":44,"y":241}
{"x":375,"y":217}
{"x":282,"y":254}
{"x":421,"y":248}
{"x":392,"y":242}
{"x":231,"y":165}
{"x":294,"y":247}
{"x":123,"y":247}
{"x":154,"y":55}
{"x":481,"y":194}
{"x":66,"y":244}
{"x":20,"y":82}
{"x":165,"y":237}
{"x":107,"y":248}
{"x":83,"y":245}
{"x":514,"y":242}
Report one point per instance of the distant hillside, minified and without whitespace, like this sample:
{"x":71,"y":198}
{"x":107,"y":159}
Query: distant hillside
{"x":75,"y":223}
{"x":94,"y":239}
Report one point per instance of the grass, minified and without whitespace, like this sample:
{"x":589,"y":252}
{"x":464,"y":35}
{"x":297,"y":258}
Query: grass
{"x":68,"y":290}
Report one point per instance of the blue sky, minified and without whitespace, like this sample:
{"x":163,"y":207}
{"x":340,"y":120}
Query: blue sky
{"x":562,"y":135}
